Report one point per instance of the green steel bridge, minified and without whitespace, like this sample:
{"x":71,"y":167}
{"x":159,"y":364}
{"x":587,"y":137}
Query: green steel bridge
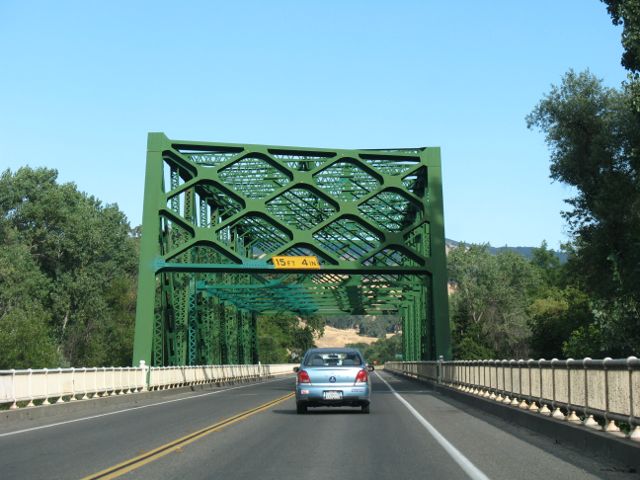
{"x":232,"y":231}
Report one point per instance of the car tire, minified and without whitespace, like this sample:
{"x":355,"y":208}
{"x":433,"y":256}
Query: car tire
{"x":301,"y":408}
{"x":366,"y":408}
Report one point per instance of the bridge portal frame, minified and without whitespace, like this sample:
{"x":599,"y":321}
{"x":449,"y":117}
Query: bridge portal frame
{"x":175,"y":223}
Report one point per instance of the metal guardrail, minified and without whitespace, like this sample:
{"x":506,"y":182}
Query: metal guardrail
{"x":70,"y":384}
{"x":577,"y":391}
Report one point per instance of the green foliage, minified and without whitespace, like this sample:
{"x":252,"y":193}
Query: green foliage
{"x":489,"y":307}
{"x":283,"y":337}
{"x":594,"y":136}
{"x":25,"y":339}
{"x":627,"y":14}
{"x":554,"y":318}
{"x":613,"y":331}
{"x":383,"y":350}
{"x":77,"y":270}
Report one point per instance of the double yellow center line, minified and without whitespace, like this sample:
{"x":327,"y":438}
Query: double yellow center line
{"x":137,"y":462}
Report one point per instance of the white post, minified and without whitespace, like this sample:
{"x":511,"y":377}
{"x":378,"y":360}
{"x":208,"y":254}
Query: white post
{"x":84,"y":384}
{"x":46,"y":387}
{"x":143,"y":374}
{"x":73,"y":384}
{"x":60,"y":400}
{"x":30,"y":404}
{"x":14,"y":405}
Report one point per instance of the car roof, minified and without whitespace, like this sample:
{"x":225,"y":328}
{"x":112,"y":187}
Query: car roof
{"x":338,"y":349}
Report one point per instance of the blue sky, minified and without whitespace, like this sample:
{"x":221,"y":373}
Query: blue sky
{"x":83,"y":82}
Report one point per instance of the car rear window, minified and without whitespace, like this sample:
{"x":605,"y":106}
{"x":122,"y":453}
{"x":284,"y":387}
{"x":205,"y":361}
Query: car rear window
{"x":333,"y":359}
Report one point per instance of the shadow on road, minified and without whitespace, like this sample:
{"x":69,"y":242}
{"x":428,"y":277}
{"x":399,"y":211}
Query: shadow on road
{"x":324,"y":411}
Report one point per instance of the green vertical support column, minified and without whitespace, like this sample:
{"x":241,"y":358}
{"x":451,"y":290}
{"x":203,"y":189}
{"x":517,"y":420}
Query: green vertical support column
{"x":405,"y":335}
{"x":247,"y":335}
{"x":231,"y":334}
{"x":193,"y":323}
{"x":439,"y":306}
{"x":222,"y":335}
{"x":411,"y":332}
{"x":149,"y":251}
{"x":254,"y":338}
{"x":158,"y":326}
{"x":423,"y":312}
{"x":240,"y":335}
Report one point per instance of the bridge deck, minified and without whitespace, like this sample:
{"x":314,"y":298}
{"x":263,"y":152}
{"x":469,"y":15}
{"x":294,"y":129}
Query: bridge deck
{"x":276,"y":443}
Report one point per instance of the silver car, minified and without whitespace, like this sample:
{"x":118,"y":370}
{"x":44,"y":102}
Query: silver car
{"x":333,"y":377}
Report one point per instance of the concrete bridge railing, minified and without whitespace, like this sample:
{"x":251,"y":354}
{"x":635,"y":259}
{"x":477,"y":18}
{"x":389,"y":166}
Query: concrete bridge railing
{"x":578,"y":391}
{"x":60,"y":385}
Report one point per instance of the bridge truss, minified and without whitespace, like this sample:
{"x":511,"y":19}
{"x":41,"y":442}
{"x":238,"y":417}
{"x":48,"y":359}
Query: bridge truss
{"x":215,"y":215}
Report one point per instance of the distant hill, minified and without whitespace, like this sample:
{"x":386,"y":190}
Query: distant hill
{"x":526,"y":252}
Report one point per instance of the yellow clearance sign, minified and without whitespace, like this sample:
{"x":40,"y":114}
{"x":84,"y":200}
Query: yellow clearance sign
{"x":296,"y":262}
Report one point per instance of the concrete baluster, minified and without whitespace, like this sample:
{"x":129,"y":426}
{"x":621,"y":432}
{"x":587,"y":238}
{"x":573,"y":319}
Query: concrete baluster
{"x":476,"y":377}
{"x":523,"y":403}
{"x":533,"y":406}
{"x":571,"y":417}
{"x":122,"y":383}
{"x":612,"y":428}
{"x":557,"y":413}
{"x":610,"y":425}
{"x":84,"y":384}
{"x":143,"y":380}
{"x":105,"y":385}
{"x":485,"y":383}
{"x":514,"y":401}
{"x":112,"y":370}
{"x":544,"y":408}
{"x":46,"y":387}
{"x":60,"y":391}
{"x":14,"y":404}
{"x":499,"y":397}
{"x":634,"y":433}
{"x":29,"y":387}
{"x":588,"y":421}
{"x":73,"y":385}
{"x":130,"y":384}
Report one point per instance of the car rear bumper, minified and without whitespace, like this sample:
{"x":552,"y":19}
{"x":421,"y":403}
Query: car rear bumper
{"x":351,"y":395}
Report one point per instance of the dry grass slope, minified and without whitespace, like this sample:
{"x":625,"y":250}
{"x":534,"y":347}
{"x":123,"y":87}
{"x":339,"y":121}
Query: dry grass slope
{"x":336,"y":337}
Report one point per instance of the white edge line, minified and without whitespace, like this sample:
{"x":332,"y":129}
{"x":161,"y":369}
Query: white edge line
{"x":41,"y":427}
{"x":470,"y":469}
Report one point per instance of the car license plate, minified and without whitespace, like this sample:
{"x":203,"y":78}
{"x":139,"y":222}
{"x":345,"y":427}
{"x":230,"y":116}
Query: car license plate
{"x":332,"y":395}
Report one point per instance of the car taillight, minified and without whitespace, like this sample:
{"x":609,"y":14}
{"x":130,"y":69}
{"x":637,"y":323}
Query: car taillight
{"x":303,"y":377}
{"x":362,"y":376}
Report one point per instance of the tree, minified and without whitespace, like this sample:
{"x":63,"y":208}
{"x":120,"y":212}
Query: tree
{"x":25,"y":337}
{"x":383,"y":350}
{"x":489,"y":307}
{"x":627,"y":14}
{"x":594,"y":136}
{"x":84,"y":251}
{"x":548,"y":263}
{"x":284,"y":337}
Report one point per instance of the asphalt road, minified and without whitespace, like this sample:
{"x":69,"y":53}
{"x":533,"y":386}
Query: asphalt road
{"x":439,"y":439}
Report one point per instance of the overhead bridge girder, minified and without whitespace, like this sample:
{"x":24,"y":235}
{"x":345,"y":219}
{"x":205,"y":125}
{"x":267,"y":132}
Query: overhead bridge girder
{"x":215,"y":214}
